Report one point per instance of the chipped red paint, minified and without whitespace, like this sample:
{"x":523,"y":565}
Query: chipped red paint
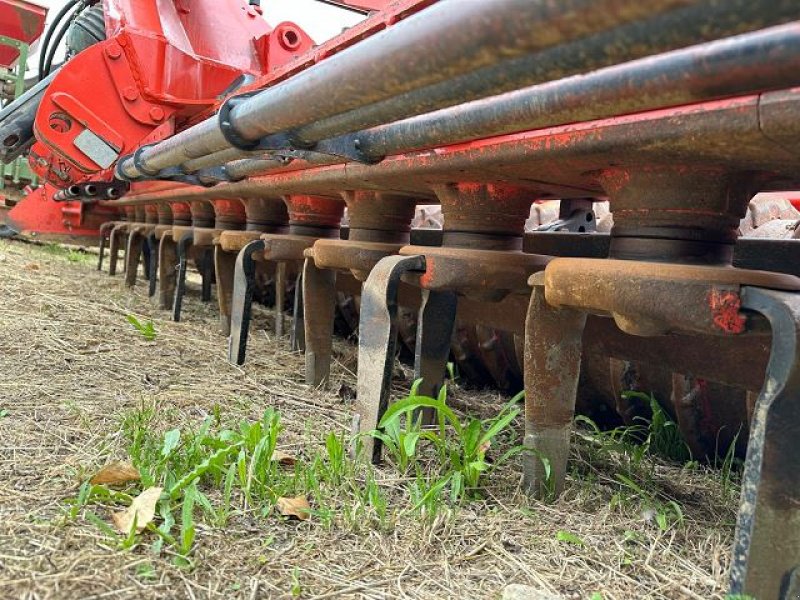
{"x":725,"y":307}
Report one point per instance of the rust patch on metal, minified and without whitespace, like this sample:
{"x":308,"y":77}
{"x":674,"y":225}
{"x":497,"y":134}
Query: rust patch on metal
{"x":725,"y":307}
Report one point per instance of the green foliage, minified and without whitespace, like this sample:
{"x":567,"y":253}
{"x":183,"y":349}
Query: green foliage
{"x":148,"y":330}
{"x":70,"y":254}
{"x":570,"y":538}
{"x":628,"y":447}
{"x":460,"y":446}
{"x":3,"y":413}
{"x":212,"y":472}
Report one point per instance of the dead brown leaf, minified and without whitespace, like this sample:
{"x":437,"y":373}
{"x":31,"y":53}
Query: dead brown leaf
{"x":283,"y":459}
{"x":297,"y":507}
{"x":116,"y":473}
{"x":142,"y":510}
{"x":31,"y":267}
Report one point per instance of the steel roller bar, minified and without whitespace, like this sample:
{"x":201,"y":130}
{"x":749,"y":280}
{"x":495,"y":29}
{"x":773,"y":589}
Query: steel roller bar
{"x":443,"y":42}
{"x":745,"y":64}
{"x":693,"y":25}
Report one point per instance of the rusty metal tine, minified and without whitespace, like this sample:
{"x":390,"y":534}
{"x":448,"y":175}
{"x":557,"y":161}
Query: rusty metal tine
{"x":319,"y":307}
{"x":105,"y":231}
{"x":180,"y":283}
{"x":225,"y":265}
{"x":153,"y":246}
{"x":766,"y":556}
{"x":553,"y":342}
{"x":167,"y":274}
{"x":437,"y":320}
{"x":145,"y":257}
{"x":280,"y":296}
{"x":207,"y":272}
{"x":377,"y":339}
{"x":242,"y":301}
{"x":133,"y":255}
{"x":113,"y":249}
{"x":297,"y":337}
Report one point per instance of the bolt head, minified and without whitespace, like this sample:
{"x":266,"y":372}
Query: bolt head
{"x":113,"y":51}
{"x":130,"y":93}
{"x":157,"y":113}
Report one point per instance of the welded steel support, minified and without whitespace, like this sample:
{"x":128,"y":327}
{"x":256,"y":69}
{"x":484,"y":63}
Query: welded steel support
{"x":766,"y":555}
{"x":242,"y":301}
{"x":319,"y":307}
{"x":183,"y":246}
{"x":552,"y":366}
{"x":377,"y":343}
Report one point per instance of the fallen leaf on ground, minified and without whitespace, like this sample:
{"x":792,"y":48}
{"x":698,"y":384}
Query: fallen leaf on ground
{"x":116,"y":473}
{"x":286,"y":460}
{"x":142,"y":510}
{"x":297,"y":508}
{"x":31,"y":267}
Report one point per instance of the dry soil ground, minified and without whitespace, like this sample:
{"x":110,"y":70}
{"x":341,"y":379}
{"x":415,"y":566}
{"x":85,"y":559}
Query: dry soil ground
{"x":72,"y":367}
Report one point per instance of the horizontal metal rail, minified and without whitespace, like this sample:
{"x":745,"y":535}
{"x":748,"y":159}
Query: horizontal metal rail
{"x":443,"y":42}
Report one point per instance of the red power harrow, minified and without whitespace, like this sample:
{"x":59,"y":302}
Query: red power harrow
{"x":214,"y":137}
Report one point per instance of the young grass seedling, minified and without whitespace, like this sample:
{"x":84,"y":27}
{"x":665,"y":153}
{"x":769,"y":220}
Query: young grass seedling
{"x":148,"y":330}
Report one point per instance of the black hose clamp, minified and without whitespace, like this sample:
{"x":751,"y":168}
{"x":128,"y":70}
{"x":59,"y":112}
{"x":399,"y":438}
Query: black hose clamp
{"x":226,"y":127}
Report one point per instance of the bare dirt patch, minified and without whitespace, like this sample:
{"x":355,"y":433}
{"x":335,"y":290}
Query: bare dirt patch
{"x":72,"y":366}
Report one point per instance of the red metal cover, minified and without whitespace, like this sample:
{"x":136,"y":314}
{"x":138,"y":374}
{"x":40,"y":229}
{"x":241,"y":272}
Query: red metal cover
{"x":20,"y":20}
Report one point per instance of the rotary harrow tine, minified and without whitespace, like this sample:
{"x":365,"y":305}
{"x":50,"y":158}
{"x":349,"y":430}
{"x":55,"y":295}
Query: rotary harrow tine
{"x":105,"y":232}
{"x":133,"y":254}
{"x":206,"y":265}
{"x":225,"y":266}
{"x":242,"y":300}
{"x":319,"y":296}
{"x":435,"y":326}
{"x":183,"y":246}
{"x":297,"y":339}
{"x":766,"y":554}
{"x":115,"y":241}
{"x":377,"y":343}
{"x":167,"y":273}
{"x":152,"y":271}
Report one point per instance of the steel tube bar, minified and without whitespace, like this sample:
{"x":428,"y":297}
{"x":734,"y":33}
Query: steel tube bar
{"x":749,"y":63}
{"x":696,"y":24}
{"x":445,"y":41}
